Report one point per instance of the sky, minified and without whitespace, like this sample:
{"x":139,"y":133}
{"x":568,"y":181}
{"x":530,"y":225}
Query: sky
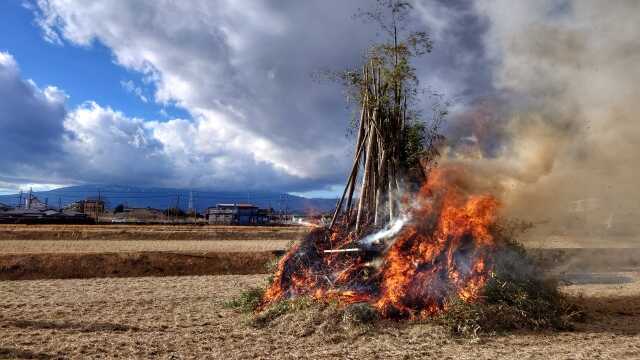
{"x":220,"y":94}
{"x":204,"y":94}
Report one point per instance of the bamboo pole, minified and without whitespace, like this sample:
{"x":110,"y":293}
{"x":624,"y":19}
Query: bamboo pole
{"x":365,"y":178}
{"x":350,"y":182}
{"x":383,"y":116}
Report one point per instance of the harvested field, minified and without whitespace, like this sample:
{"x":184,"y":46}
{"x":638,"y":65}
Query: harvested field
{"x":536,"y":240}
{"x":100,"y":265}
{"x":37,"y":259}
{"x":185,"y":317}
{"x":43,"y":252}
{"x":75,"y":251}
{"x":120,"y":246}
{"x":149,"y":232}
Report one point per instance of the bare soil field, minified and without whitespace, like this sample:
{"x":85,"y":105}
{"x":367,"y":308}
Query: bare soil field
{"x":184,"y":317}
{"x":87,"y":251}
{"x":123,"y":246}
{"x":101,"y":265}
{"x":541,"y":240}
{"x":149,"y":232}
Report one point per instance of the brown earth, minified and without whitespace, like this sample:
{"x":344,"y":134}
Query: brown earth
{"x":149,"y":232}
{"x":124,"y":246}
{"x":38,"y":259}
{"x":184,"y":317}
{"x":91,"y":265}
{"x":87,"y":251}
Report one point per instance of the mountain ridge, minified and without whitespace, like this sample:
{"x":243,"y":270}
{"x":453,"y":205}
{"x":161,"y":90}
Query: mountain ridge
{"x":162,"y":198}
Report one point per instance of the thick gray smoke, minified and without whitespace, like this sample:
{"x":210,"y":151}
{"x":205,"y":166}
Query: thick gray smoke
{"x":561,"y":141}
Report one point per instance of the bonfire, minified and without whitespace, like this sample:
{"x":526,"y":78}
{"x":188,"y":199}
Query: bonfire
{"x":403,"y":249}
{"x":442,"y":247}
{"x":410,"y":238}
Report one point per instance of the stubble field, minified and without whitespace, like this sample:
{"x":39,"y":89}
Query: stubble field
{"x":106,"y":292}
{"x":184,"y":317}
{"x":30,"y":252}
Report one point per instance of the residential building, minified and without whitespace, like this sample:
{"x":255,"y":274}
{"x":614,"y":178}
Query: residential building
{"x":237,"y":214}
{"x":90,"y":207}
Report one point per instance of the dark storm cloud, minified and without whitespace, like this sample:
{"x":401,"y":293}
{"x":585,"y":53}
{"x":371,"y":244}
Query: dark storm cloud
{"x":31,"y":129}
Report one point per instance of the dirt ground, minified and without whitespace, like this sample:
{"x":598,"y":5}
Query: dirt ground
{"x":149,"y":232}
{"x":107,"y":246}
{"x":545,"y":241}
{"x":85,"y":251}
{"x":102,"y":265}
{"x":184,"y":317}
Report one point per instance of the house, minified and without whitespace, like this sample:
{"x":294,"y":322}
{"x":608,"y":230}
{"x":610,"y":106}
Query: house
{"x":237,"y":214}
{"x":89,"y":207}
{"x":35,"y":216}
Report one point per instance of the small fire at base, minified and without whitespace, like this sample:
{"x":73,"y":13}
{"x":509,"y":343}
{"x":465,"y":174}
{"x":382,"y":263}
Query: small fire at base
{"x":444,"y":249}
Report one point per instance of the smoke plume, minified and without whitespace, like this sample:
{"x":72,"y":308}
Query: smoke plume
{"x":560,"y":140}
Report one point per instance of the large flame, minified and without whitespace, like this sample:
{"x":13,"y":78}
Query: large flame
{"x":442,"y":250}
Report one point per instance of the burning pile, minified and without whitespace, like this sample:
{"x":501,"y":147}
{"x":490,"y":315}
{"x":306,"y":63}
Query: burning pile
{"x":442,"y":249}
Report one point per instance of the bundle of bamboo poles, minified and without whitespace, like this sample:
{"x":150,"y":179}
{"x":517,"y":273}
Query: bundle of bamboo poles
{"x":377,"y":153}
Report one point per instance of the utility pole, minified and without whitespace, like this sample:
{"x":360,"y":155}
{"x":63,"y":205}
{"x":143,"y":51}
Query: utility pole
{"x":29,"y":199}
{"x":96,"y":207}
{"x":177,"y":210}
{"x":191,"y":211}
{"x":59,"y":203}
{"x":20,"y":200}
{"x":286,"y":207}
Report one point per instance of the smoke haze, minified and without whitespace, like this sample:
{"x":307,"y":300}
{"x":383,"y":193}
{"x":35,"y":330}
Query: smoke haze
{"x":560,"y":139}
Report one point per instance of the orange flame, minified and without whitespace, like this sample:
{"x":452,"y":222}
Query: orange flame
{"x":444,"y":251}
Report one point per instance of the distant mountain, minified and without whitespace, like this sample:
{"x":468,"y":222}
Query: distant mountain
{"x":162,"y":198}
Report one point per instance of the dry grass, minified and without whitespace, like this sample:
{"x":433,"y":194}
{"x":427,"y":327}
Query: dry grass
{"x":186,"y":317}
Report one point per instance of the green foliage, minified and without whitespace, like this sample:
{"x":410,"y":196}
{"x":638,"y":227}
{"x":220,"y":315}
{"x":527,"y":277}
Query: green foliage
{"x":247,"y":301}
{"x":306,"y":316}
{"x":404,"y":39}
{"x":360,"y":314}
{"x":413,"y":146}
{"x":517,"y":296}
{"x":280,"y":308}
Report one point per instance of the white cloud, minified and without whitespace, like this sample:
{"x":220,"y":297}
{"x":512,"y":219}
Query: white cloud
{"x":241,"y":69}
{"x":8,"y":62}
{"x":132,"y":88}
{"x":223,"y":62}
{"x":47,"y":144}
